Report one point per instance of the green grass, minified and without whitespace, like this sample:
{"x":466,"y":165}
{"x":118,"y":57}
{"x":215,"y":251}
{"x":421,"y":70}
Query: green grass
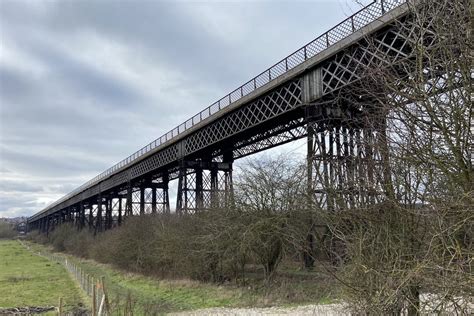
{"x":29,"y":280}
{"x":290,"y":288}
{"x":152,"y":294}
{"x":161,"y":295}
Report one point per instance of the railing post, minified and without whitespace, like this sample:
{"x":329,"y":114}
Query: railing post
{"x":352,"y":23}
{"x":305,"y":53}
{"x":327,"y":39}
{"x":269,"y":75}
{"x":383,"y":7}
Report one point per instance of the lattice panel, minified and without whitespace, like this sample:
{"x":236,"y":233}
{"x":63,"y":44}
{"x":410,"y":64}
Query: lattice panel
{"x":282,"y":100}
{"x":279,"y":135}
{"x":148,"y":200}
{"x":188,"y":195}
{"x":350,"y":65}
{"x":114,"y":181}
{"x":136,"y":201}
{"x":116,"y":206}
{"x":221,"y":194}
{"x":162,"y":201}
{"x":159,"y":159}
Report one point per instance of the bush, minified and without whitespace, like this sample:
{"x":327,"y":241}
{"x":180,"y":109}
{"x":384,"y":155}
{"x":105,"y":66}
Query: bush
{"x":38,"y":237}
{"x":79,"y":243}
{"x":7,"y":230}
{"x":61,"y":235}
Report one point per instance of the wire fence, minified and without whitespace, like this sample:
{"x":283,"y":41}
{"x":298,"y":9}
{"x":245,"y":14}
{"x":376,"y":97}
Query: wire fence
{"x":94,"y":287}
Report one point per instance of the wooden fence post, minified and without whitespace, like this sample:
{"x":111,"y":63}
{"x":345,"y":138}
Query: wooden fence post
{"x":128,"y":305}
{"x":60,"y":308}
{"x":107,"y":305}
{"x":94,"y":302}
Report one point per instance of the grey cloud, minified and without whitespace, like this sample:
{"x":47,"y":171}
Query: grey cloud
{"x":19,"y":205}
{"x":19,"y":186}
{"x":46,"y":164}
{"x":11,"y":82}
{"x":70,"y":76}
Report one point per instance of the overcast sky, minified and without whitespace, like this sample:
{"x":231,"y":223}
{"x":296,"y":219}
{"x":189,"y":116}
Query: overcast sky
{"x":84,"y":84}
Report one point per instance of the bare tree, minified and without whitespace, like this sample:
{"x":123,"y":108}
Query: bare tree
{"x":270,"y":194}
{"x":411,"y":249}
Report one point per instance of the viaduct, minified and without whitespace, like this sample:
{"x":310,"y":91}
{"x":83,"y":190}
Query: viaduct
{"x":293,"y":99}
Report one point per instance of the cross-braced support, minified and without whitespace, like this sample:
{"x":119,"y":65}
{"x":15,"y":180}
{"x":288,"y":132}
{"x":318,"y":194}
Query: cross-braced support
{"x":347,"y":161}
{"x":151,"y":196}
{"x":204,"y":185}
{"x":160,"y":201}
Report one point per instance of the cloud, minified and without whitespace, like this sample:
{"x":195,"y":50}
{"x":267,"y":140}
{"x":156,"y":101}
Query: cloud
{"x":83,"y":84}
{"x":18,"y":186}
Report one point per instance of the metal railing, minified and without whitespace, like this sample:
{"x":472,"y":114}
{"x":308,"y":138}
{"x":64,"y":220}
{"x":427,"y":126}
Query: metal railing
{"x":361,"y":18}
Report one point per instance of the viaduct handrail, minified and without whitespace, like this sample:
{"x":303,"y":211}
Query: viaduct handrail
{"x":361,"y":18}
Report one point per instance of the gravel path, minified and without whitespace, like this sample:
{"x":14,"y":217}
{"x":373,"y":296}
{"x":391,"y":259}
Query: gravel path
{"x":430,"y":302}
{"x":307,"y":310}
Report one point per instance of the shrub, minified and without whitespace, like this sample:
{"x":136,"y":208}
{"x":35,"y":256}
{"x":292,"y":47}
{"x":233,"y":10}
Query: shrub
{"x":7,"y":230}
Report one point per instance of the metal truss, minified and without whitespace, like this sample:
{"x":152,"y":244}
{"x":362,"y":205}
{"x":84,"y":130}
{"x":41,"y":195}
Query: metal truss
{"x":347,"y":166}
{"x":382,"y":50}
{"x":151,"y":197}
{"x":341,"y":154}
{"x":270,"y":106}
{"x":345,"y":142}
{"x":267,"y":139}
{"x":204,"y":185}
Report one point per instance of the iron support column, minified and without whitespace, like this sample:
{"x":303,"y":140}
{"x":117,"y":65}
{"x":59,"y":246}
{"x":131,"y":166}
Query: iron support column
{"x":166,"y":198}
{"x":309,"y":251}
{"x":129,"y":205}
{"x":91,"y":216}
{"x":199,"y":188}
{"x":98,"y":224}
{"x":82,"y":216}
{"x":119,"y":219}
{"x":108,"y":213}
{"x":153,"y":199}
{"x":142,"y":199}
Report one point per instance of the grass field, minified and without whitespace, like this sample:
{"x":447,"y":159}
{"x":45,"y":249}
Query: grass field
{"x":161,"y":296}
{"x":29,"y":280}
{"x":157,"y":296}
